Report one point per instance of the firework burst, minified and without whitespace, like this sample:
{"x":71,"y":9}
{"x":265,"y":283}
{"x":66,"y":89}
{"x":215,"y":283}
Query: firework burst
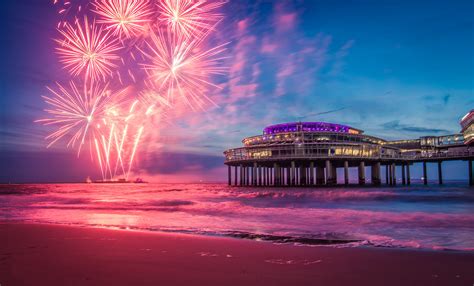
{"x":182,"y":68}
{"x":127,"y":18}
{"x":88,"y":49}
{"x":189,"y":18}
{"x":79,"y":113}
{"x":153,"y":102}
{"x":164,"y":42}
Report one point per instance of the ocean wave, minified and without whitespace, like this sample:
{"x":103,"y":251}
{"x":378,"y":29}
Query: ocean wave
{"x":439,"y":218}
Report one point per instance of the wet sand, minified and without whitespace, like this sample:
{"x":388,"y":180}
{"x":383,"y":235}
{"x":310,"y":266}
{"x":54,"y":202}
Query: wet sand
{"x":40,"y":254}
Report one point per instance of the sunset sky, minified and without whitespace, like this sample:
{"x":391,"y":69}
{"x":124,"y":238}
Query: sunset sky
{"x":395,"y":69}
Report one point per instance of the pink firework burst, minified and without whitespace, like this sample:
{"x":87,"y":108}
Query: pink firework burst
{"x":125,"y":17}
{"x":79,"y":113}
{"x":182,"y":68}
{"x":189,"y":17}
{"x":88,"y":49}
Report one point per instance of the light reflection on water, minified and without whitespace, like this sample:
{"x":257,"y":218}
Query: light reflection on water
{"x":422,"y":217}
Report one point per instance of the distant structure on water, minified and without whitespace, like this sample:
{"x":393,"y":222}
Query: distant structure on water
{"x":309,"y":153}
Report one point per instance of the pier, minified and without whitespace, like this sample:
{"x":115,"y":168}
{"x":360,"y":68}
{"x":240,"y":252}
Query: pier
{"x":310,"y":153}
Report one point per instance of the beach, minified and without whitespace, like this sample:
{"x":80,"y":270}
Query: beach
{"x":43,"y":254}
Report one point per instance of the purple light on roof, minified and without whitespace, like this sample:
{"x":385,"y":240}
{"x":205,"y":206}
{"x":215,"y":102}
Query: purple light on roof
{"x":306,"y":126}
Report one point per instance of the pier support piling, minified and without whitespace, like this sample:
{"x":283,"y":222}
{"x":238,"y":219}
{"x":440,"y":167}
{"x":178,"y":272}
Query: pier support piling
{"x":394,"y":174}
{"x":408,"y":173}
{"x":288,"y":176}
{"x":292,"y":174}
{"x":471,"y":175}
{"x":329,"y":173}
{"x":302,"y":175}
{"x":440,"y":173}
{"x":254,"y":174}
{"x":319,"y":175}
{"x":270,"y":176}
{"x":235,"y":176}
{"x":241,"y":177}
{"x":282,"y":176}
{"x":229,"y":175}
{"x":362,"y":173}
{"x":389,"y":170}
{"x":376,"y":174}
{"x":334,"y":174}
{"x":267,"y":182}
{"x":403,"y":174}
{"x":259,"y":176}
{"x":311,"y":173}
{"x":346,"y":173}
{"x":275,"y":174}
{"x":247,"y":176}
{"x":425,"y":175}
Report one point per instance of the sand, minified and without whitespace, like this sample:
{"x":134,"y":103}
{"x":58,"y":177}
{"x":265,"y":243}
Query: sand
{"x":40,"y":254}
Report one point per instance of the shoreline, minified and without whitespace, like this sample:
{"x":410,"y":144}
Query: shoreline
{"x":48,"y":254}
{"x":246,"y":236}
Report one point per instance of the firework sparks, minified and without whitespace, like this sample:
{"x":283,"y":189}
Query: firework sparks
{"x":66,"y":7}
{"x":179,"y":66}
{"x":189,"y":17}
{"x":88,"y":49}
{"x":125,"y":17}
{"x":82,"y":115}
{"x":153,"y":102}
{"x":78,"y":112}
{"x":171,"y":51}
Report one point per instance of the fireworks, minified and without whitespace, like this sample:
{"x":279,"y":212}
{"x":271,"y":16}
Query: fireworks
{"x":125,"y":17}
{"x":172,"y":63}
{"x":94,"y":117}
{"x":66,"y":7}
{"x":88,"y":49}
{"x":189,"y":18}
{"x":182,"y":68}
{"x":79,"y":112}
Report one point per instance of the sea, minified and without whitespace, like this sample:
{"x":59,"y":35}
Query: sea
{"x":421,"y":217}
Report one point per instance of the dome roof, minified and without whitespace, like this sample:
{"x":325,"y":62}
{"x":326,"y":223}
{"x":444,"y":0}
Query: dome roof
{"x":310,"y":127}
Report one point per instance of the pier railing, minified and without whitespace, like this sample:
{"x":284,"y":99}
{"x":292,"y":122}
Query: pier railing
{"x":450,"y":155}
{"x":359,"y":152}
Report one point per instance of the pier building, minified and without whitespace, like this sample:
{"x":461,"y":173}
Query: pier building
{"x":309,"y":154}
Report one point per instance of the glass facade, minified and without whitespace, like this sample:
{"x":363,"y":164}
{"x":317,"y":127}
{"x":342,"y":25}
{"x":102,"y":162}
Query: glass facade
{"x":468,"y":135}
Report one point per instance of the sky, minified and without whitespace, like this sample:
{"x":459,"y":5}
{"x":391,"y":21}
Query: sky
{"x":395,"y":69}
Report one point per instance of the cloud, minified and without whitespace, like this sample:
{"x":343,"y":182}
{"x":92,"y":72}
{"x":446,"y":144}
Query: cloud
{"x":339,"y":57}
{"x":268,"y":46}
{"x":285,"y":21}
{"x":396,"y":125}
{"x":173,"y":162}
{"x":446,"y":98}
{"x":45,"y":166}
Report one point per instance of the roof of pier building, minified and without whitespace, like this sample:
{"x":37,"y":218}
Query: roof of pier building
{"x":319,"y":132}
{"x":467,"y":120}
{"x":309,"y":127}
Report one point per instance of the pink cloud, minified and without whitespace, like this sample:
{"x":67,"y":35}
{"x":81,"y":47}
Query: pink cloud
{"x":267,"y":46}
{"x":286,"y":21}
{"x":242,"y":26}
